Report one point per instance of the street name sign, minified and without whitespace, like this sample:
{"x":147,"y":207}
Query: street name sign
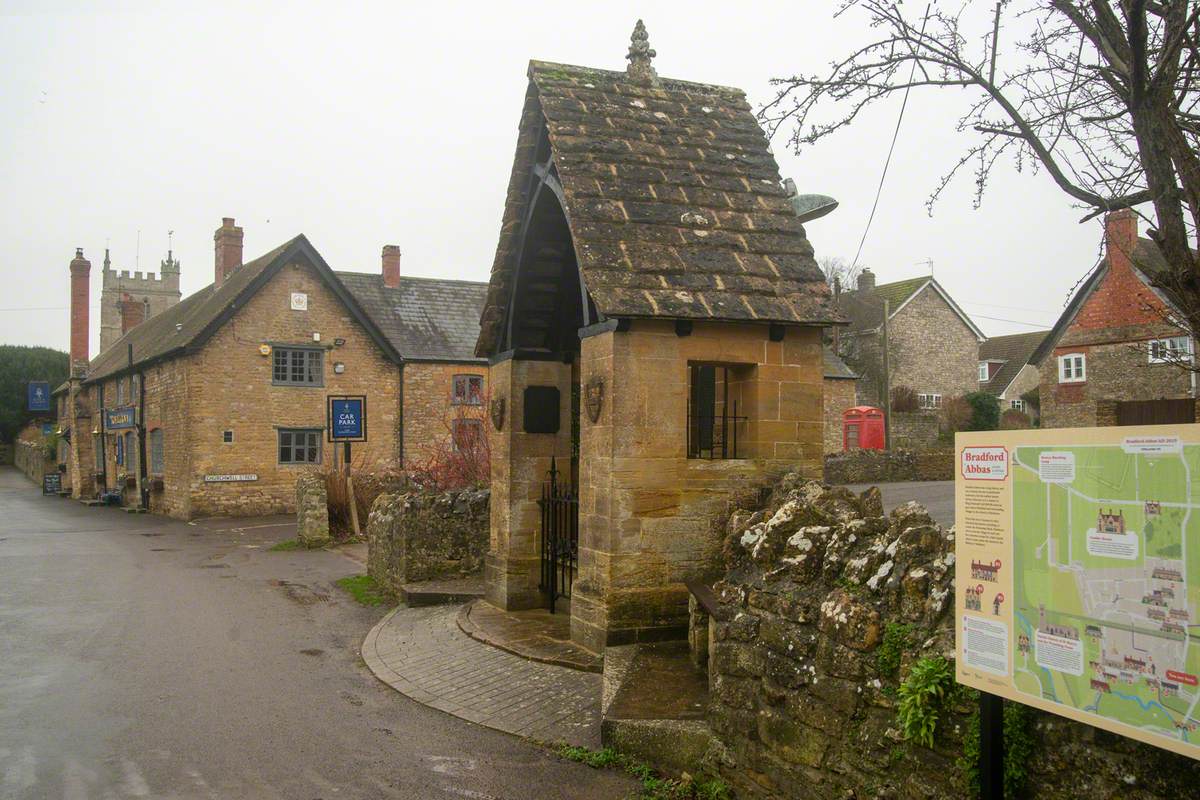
{"x":39,"y":396}
{"x":240,"y":478}
{"x":1077,"y":558}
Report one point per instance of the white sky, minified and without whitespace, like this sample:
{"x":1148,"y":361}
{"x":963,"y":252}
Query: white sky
{"x":361,"y":125}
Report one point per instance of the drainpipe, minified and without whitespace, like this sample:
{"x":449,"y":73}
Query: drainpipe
{"x":887,"y":379}
{"x":400,"y":427}
{"x":143,"y":472}
{"x":101,"y":489}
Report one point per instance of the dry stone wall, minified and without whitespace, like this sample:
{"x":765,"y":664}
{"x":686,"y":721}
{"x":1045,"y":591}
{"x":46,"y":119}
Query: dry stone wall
{"x":885,"y":466}
{"x":424,"y":536}
{"x":825,"y":607}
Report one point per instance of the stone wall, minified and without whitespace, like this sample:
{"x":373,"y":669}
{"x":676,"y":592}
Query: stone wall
{"x":428,"y":409}
{"x":424,"y":536}
{"x":840,"y":395}
{"x":29,"y":457}
{"x":803,"y":695}
{"x":312,"y":509}
{"x":914,"y":431}
{"x":886,"y":466}
{"x":932,"y":349}
{"x":6,"y":455}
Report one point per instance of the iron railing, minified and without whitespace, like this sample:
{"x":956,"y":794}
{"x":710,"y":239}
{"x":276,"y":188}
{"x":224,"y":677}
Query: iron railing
{"x":714,"y":435}
{"x":560,"y":537}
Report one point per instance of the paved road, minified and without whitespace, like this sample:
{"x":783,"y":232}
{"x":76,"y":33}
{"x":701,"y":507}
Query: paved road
{"x":936,"y":496}
{"x":141,"y":657}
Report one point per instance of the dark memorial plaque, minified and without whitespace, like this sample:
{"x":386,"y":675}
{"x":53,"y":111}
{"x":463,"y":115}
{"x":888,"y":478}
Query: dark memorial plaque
{"x":541,"y":409}
{"x":51,"y":483}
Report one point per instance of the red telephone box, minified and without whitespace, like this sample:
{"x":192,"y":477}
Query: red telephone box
{"x":862,"y":428}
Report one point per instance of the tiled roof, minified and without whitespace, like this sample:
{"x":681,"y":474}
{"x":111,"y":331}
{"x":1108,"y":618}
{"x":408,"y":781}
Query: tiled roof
{"x":673,"y":199}
{"x":424,"y":318}
{"x":835,"y":368}
{"x":188,"y":324}
{"x":864,"y":307}
{"x":1014,"y":351}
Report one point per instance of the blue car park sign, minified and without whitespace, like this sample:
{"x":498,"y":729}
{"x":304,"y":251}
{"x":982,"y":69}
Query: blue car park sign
{"x":119,"y":418}
{"x":348,"y":419}
{"x":39,"y":396}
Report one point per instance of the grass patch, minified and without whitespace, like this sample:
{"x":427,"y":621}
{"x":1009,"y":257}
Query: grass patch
{"x":364,"y":590}
{"x":653,"y":787}
{"x":286,"y":545}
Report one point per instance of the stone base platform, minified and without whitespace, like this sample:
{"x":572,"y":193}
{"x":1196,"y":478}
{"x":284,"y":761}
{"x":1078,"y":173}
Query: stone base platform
{"x":536,"y":635}
{"x":440,"y":593}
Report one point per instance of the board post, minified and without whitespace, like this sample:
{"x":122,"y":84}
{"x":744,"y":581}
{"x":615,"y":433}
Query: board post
{"x":991,"y":746}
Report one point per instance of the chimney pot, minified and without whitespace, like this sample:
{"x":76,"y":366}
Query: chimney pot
{"x":391,"y":266}
{"x":227,"y":242}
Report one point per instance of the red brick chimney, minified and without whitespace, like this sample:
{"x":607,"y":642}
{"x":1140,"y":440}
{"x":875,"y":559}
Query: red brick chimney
{"x":81,"y":270}
{"x":133,"y":313}
{"x":391,"y":266}
{"x":228,"y":244}
{"x":1120,"y":237}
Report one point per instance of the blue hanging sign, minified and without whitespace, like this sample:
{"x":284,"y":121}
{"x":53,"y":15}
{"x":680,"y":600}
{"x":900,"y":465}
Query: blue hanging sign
{"x":120,"y":418}
{"x":347,"y":419}
{"x":39,"y":396}
{"x":47,"y":428}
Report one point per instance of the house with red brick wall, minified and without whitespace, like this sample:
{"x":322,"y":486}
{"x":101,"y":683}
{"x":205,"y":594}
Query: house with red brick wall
{"x":933,"y":346}
{"x":1113,"y":356}
{"x":1005,"y":369}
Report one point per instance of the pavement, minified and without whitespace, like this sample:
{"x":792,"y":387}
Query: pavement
{"x":145,"y":657}
{"x":936,"y":496}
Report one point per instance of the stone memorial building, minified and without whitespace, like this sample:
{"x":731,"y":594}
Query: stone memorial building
{"x":653,"y":325}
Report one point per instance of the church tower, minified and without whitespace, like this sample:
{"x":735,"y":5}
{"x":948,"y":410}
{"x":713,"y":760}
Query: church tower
{"x":135,"y":295}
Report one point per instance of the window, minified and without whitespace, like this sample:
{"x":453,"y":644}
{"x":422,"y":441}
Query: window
{"x":130,"y":454}
{"x":983,"y":371}
{"x":156,"y":451}
{"x":468,"y":390}
{"x":296,"y":366}
{"x":467,"y":435}
{"x":120,"y":451}
{"x":121,"y":391}
{"x":299,"y":446}
{"x":98,"y":446}
{"x":1072,"y":368}
{"x":929,"y":402}
{"x":1170,"y":351}
{"x":1019,"y":405}
{"x":135,"y":385}
{"x":714,"y":423}
{"x":227,"y":437}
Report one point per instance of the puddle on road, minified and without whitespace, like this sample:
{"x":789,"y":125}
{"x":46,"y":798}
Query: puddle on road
{"x":312,"y":651}
{"x":301,"y":593}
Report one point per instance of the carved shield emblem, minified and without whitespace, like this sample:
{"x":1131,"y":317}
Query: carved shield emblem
{"x":497,"y":409}
{"x":594,"y":396}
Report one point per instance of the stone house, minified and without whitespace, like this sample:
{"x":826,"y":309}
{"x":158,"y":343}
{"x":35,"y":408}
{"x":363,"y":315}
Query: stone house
{"x":654,"y":329}
{"x":840,"y":393}
{"x":214,"y":406}
{"x":1006,"y":371}
{"x":1114,"y":357}
{"x":933,"y":346}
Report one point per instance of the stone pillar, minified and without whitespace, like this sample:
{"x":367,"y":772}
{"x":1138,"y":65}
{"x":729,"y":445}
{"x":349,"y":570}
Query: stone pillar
{"x":520,"y":462}
{"x":312,"y":510}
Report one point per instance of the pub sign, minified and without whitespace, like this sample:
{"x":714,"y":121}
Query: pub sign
{"x":120,"y":418}
{"x":347,"y":418}
{"x":39,"y":396}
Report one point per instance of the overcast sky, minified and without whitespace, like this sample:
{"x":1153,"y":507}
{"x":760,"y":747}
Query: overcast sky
{"x":361,"y":125}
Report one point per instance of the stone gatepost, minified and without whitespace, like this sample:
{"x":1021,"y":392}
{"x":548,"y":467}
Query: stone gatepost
{"x":520,"y":463}
{"x":312,"y":510}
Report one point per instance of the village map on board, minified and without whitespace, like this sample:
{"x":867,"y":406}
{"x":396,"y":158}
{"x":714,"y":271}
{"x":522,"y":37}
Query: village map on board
{"x":1105,"y":585}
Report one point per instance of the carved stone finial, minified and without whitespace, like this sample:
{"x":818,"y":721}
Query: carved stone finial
{"x":640,"y":70}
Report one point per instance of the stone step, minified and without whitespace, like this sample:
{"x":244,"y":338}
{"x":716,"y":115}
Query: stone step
{"x":440,"y":593}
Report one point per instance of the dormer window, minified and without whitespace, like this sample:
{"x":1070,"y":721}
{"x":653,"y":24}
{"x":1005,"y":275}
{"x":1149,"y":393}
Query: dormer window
{"x":983,"y":371}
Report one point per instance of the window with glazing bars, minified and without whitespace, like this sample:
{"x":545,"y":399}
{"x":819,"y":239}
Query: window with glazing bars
{"x":156,"y":451}
{"x":299,"y":446}
{"x":297,"y":366}
{"x":714,"y":423}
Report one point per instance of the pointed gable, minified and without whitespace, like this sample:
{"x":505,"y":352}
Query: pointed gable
{"x":672,"y":197}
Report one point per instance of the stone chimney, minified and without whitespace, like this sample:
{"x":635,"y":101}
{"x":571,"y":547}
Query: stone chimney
{"x":133,"y":313}
{"x":227,"y":242}
{"x":866,"y":279}
{"x":391,"y":266}
{"x":1120,"y":237}
{"x":81,"y":270}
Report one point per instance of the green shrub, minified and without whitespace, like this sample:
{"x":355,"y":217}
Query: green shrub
{"x":887,"y":656}
{"x":985,"y":411}
{"x":1018,"y":749}
{"x":922,"y":696}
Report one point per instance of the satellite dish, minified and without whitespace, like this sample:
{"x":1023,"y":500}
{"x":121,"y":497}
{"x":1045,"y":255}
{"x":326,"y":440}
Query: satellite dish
{"x":812,"y":206}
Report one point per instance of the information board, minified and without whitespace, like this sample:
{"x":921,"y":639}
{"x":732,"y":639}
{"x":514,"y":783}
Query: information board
{"x":1078,"y":575}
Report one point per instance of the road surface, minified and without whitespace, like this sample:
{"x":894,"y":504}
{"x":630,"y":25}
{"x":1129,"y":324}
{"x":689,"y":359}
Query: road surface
{"x":143,"y":657}
{"x":936,"y":496}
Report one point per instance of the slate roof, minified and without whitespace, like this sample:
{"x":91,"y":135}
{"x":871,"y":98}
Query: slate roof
{"x":673,"y":199}
{"x":864,"y":307}
{"x":1147,"y":259}
{"x":835,"y":368}
{"x":1014,"y":351}
{"x":187,"y":325}
{"x":425,"y":319}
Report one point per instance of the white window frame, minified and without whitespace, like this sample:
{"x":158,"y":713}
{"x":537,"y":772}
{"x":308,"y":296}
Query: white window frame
{"x":983,"y":371}
{"x":929,"y":401}
{"x":1017,"y":404}
{"x":1177,"y":349}
{"x":1075,"y":374}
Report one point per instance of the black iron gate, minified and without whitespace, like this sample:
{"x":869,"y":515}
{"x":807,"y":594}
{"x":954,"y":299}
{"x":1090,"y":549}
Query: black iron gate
{"x":560,"y":537}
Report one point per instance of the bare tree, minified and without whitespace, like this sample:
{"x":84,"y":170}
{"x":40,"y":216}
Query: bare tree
{"x":840,"y":270}
{"x":1100,"y":94}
